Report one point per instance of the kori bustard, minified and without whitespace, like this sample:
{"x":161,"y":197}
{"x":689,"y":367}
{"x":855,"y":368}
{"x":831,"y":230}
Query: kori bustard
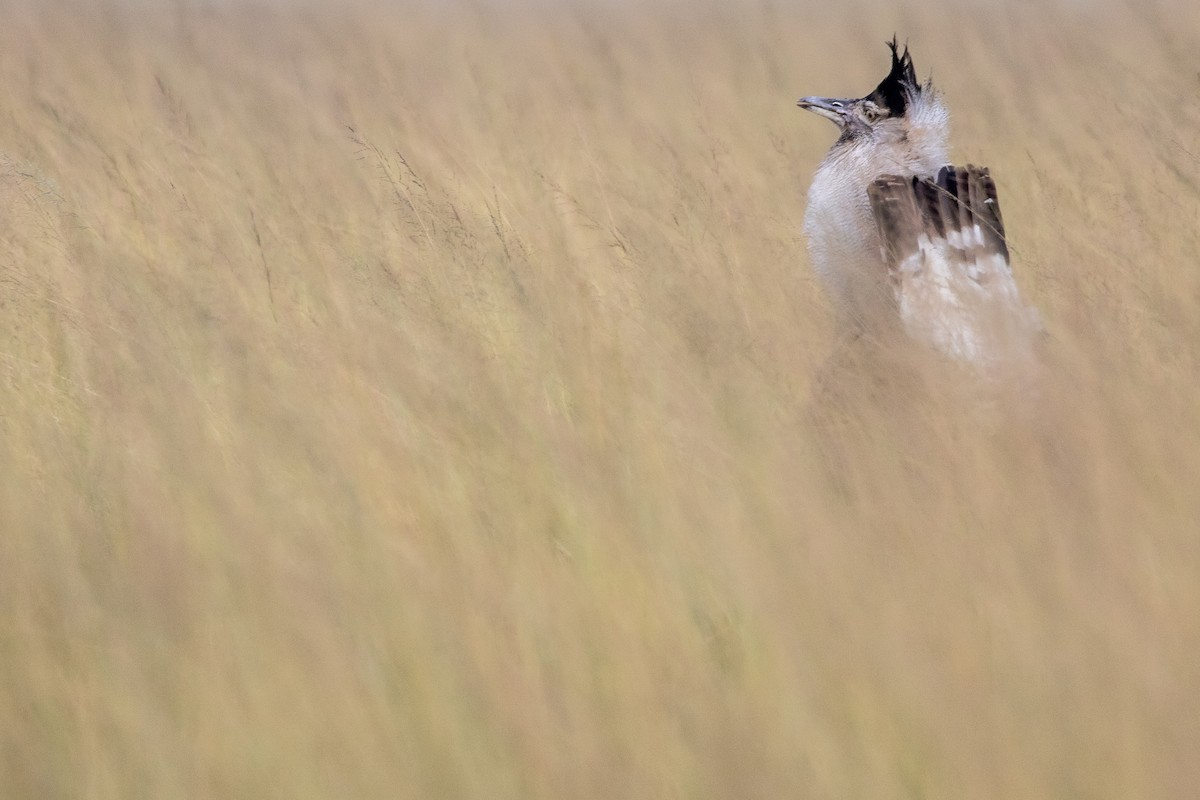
{"x":897,"y":234}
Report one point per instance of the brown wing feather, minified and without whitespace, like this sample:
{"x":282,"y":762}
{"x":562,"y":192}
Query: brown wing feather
{"x":954,"y":202}
{"x":947,"y":260}
{"x":898,"y":218}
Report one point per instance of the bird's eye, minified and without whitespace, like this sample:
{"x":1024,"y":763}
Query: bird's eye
{"x":871,"y":114}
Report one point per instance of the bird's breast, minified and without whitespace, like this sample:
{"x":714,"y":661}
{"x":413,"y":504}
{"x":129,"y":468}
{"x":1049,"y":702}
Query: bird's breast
{"x":843,"y":246}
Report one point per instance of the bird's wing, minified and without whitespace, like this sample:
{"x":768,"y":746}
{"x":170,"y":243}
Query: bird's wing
{"x":943,"y":242}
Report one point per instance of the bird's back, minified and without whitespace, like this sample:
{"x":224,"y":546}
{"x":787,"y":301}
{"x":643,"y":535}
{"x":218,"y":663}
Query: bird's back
{"x":947,"y":262}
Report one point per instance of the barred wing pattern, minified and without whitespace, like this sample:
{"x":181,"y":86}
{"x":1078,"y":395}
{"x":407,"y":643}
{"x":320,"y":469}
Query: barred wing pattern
{"x":943,"y":243}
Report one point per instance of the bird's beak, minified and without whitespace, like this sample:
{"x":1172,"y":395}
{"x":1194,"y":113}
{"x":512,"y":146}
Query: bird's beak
{"x":831,"y":108}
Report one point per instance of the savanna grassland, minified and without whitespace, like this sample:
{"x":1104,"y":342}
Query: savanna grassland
{"x":405,"y":401}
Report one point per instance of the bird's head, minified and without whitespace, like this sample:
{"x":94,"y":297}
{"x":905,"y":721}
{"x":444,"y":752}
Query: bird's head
{"x":885,"y":114}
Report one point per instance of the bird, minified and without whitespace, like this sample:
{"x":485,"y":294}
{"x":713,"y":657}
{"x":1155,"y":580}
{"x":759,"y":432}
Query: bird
{"x":897,"y":234}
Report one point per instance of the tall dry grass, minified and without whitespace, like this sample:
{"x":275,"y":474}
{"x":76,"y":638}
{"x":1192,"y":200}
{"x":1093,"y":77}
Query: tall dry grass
{"x":412,"y":402}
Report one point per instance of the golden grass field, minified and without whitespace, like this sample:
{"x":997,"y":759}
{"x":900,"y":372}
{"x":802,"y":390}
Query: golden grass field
{"x":405,"y":401}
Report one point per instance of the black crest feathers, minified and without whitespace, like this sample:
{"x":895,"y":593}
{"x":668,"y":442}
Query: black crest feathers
{"x":900,"y":86}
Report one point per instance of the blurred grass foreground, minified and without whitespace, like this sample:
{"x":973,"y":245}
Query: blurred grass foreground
{"x":416,"y":401}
